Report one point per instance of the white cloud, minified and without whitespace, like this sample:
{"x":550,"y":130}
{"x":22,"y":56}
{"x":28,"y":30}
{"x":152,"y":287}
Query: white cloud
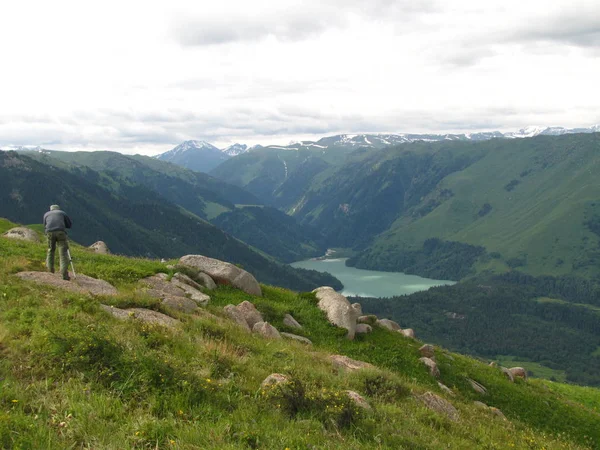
{"x":145,"y":75}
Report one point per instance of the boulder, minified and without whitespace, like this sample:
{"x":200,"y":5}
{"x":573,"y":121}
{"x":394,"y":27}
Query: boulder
{"x":446,"y":389}
{"x":158,"y":286}
{"x":289,"y":321}
{"x":141,"y":314}
{"x":438,"y":404}
{"x":358,"y":399}
{"x":249,"y":313}
{"x":518,"y":372}
{"x":274,"y":379}
{"x":480,"y":405}
{"x":477,"y":387}
{"x":432,"y":366}
{"x":427,"y":351}
{"x":508,"y":374}
{"x":82,"y":284}
{"x":295,"y":337}
{"x":223,"y":272}
{"x":343,"y":362}
{"x":22,"y":234}
{"x":237,"y":316}
{"x":370,"y":319}
{"x":338,"y":309}
{"x":497,"y":413}
{"x":493,"y":364}
{"x":183,"y":278}
{"x":181,"y":304}
{"x":205,"y":280}
{"x":409,"y":333}
{"x":100,"y":247}
{"x":363,"y":328}
{"x":356,"y":307}
{"x":389,"y":324}
{"x":266,"y":329}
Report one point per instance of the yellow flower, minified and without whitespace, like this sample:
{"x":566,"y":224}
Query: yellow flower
{"x":15,"y":401}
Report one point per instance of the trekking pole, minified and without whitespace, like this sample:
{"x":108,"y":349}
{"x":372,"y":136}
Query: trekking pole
{"x":72,"y":266}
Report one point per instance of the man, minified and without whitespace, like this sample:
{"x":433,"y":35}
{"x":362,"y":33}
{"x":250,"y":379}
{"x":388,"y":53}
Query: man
{"x":56,"y":223}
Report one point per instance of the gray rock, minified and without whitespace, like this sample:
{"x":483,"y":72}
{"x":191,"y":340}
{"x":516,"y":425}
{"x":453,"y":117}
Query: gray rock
{"x":480,"y":405}
{"x":157,"y":286}
{"x":432,"y":366}
{"x":508,"y":374}
{"x":223,"y":272}
{"x":357,"y":308}
{"x":363,"y":328}
{"x":289,"y":321}
{"x":370,"y":319}
{"x":338,"y":309}
{"x":181,"y":304}
{"x":82,"y":284}
{"x":199,"y":297}
{"x":100,"y":247}
{"x":237,"y":316}
{"x":427,"y":351}
{"x":343,"y":362}
{"x":22,"y":234}
{"x":267,"y":330}
{"x":183,"y":278}
{"x":274,"y":379}
{"x":141,"y":314}
{"x":358,"y":399}
{"x":439,"y":405}
{"x":477,"y":387}
{"x":249,"y":313}
{"x":518,"y":372}
{"x":295,"y":337}
{"x":409,"y":333}
{"x":206,"y":281}
{"x":389,"y":324}
{"x":497,"y":413}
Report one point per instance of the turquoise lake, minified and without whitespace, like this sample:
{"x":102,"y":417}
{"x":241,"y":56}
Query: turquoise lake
{"x":370,"y":283}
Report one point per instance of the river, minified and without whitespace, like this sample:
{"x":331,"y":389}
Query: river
{"x":370,"y":283}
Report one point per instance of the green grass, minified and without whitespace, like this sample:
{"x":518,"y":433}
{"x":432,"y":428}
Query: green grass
{"x":71,"y":376}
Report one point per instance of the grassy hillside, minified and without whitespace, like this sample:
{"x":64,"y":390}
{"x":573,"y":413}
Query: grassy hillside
{"x":71,"y":376}
{"x":131,"y":219}
{"x":532,"y":203}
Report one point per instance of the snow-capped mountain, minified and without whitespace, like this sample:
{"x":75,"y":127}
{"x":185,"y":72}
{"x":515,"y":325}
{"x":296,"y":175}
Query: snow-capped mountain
{"x":24,"y":148}
{"x":200,"y":156}
{"x":235,"y":149}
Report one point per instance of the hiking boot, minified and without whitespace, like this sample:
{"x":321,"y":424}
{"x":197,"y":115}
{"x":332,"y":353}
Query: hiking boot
{"x":67,"y":278}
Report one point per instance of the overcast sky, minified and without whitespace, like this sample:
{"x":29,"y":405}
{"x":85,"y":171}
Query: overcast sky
{"x":143,"y":76}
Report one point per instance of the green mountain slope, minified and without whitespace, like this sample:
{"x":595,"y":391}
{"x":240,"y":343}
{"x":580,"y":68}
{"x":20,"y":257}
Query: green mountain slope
{"x":72,"y":376}
{"x":131,"y":219}
{"x":533,"y":203}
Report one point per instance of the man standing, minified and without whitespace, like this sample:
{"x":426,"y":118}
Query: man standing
{"x":56,"y":223}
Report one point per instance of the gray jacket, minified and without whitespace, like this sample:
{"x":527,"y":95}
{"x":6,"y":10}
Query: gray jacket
{"x":56,"y":220}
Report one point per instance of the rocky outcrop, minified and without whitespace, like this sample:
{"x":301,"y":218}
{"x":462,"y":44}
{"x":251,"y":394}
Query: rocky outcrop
{"x":100,"y":247}
{"x":223,"y":273}
{"x":295,"y":337}
{"x":159,"y":286}
{"x":490,"y":409}
{"x":358,"y":399}
{"x":236,"y":316}
{"x":518,"y":372}
{"x":267,"y":330}
{"x":363,"y":328}
{"x":205,"y":280}
{"x":438,"y":404}
{"x":82,"y":284}
{"x":250,"y":314}
{"x":181,"y":304}
{"x":427,"y":351}
{"x":22,"y":234}
{"x":431,"y":366}
{"x":289,"y":321}
{"x":343,"y":362}
{"x":389,"y":324}
{"x":141,"y":314}
{"x":274,"y":379}
{"x":338,"y":309}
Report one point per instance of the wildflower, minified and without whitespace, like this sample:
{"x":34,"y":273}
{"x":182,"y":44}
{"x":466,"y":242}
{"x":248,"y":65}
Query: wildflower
{"x":15,"y":401}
